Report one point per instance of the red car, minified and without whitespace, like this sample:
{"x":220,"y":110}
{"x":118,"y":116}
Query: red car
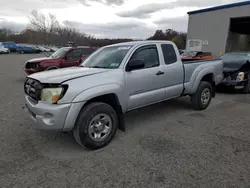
{"x":64,"y":57}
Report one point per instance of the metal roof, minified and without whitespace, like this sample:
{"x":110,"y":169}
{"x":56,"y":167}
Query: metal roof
{"x":220,"y":7}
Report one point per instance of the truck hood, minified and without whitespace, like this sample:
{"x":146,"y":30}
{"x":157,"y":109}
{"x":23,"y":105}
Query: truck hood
{"x":232,"y":66}
{"x":38,"y":59}
{"x":61,"y":75}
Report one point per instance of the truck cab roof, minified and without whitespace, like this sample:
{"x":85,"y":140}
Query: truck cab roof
{"x":132,"y":43}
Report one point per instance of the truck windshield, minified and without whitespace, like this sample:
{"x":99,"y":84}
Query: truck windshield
{"x":59,"y":53}
{"x":107,"y":57}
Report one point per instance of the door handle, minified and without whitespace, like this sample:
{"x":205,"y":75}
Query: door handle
{"x":159,"y":73}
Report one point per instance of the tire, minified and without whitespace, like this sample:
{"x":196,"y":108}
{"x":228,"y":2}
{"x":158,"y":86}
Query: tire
{"x":84,"y":134}
{"x":247,"y":88}
{"x":198,"y":99}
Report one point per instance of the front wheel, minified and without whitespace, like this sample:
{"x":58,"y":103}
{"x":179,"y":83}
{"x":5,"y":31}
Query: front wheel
{"x":96,"y":125}
{"x":247,"y":88}
{"x":202,"y":98}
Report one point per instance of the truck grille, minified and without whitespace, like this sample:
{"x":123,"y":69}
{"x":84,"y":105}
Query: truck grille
{"x":33,"y":88}
{"x":231,"y":76}
{"x":31,"y":65}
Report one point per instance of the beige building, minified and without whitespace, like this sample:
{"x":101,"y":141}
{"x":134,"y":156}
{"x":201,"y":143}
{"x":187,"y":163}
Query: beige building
{"x":220,"y":29}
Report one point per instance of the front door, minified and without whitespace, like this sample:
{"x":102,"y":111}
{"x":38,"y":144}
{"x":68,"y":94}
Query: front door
{"x":146,"y":85}
{"x":72,"y":58}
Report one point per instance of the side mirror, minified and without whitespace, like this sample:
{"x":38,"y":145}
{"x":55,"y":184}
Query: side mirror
{"x":135,"y":64}
{"x":66,"y":57}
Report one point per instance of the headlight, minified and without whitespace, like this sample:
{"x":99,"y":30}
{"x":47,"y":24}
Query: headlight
{"x":240,"y":76}
{"x":51,"y":95}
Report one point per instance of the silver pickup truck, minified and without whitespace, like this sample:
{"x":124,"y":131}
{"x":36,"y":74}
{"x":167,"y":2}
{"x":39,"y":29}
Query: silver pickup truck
{"x":90,"y":100}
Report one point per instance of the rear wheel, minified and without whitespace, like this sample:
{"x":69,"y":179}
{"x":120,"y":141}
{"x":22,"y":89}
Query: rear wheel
{"x":96,"y":125}
{"x":202,"y":98}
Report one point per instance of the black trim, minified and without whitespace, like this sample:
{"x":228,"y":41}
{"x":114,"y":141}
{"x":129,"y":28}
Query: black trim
{"x":153,"y":46}
{"x":199,"y":61}
{"x":184,"y":78}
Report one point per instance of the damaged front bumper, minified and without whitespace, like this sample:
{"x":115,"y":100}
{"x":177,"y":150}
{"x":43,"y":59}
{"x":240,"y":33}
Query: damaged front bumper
{"x":234,"y":84}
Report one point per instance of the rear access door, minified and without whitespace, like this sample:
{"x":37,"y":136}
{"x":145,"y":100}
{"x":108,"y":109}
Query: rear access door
{"x":173,"y":70}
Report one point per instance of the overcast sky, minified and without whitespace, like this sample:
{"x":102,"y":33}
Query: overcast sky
{"x":108,"y":18}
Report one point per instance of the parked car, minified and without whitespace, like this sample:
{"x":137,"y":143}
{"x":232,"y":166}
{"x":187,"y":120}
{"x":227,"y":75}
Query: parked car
{"x":190,"y":56}
{"x":64,"y":57}
{"x":4,"y":50}
{"x":22,"y":49}
{"x":36,"y":49}
{"x":44,"y":49}
{"x":53,"y":48}
{"x":10,"y":45}
{"x":90,"y":99}
{"x":236,"y":71}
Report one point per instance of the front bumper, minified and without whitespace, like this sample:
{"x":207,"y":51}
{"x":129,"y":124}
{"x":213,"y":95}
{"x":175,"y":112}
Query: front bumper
{"x":56,"y":117}
{"x":4,"y":52}
{"x":234,"y":84}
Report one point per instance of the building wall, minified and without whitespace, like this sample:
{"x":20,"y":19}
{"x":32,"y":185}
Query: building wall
{"x":213,"y":26}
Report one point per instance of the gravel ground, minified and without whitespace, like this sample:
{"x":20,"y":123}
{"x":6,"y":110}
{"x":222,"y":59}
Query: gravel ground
{"x":165,"y":145}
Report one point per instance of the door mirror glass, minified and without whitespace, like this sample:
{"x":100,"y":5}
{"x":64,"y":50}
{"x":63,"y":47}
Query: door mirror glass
{"x":135,"y":64}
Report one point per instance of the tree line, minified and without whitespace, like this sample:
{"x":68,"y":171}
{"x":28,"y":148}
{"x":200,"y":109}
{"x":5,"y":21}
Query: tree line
{"x":43,"y":29}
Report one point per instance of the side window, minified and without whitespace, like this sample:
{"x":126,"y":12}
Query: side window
{"x":169,"y":53}
{"x":87,"y":51}
{"x":149,"y":55}
{"x":74,"y":54}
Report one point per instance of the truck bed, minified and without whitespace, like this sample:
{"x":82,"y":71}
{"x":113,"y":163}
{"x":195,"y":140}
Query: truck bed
{"x":193,"y":68}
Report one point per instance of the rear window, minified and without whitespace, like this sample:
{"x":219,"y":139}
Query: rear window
{"x":169,"y":53}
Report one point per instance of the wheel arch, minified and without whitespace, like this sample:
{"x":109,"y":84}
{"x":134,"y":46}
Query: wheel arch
{"x":112,"y":100}
{"x":210,"y":79}
{"x":207,"y":76}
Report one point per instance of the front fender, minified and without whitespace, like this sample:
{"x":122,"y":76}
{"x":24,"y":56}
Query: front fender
{"x":100,"y":90}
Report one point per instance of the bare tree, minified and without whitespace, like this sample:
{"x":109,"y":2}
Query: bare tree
{"x":46,"y":24}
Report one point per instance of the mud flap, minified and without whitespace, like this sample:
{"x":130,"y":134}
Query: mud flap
{"x":121,"y":119}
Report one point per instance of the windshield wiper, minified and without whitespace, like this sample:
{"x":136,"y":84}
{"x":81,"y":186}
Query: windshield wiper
{"x":98,"y":67}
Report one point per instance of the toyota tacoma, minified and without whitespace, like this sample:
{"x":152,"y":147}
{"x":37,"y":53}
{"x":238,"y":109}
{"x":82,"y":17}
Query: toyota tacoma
{"x":90,"y":99}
